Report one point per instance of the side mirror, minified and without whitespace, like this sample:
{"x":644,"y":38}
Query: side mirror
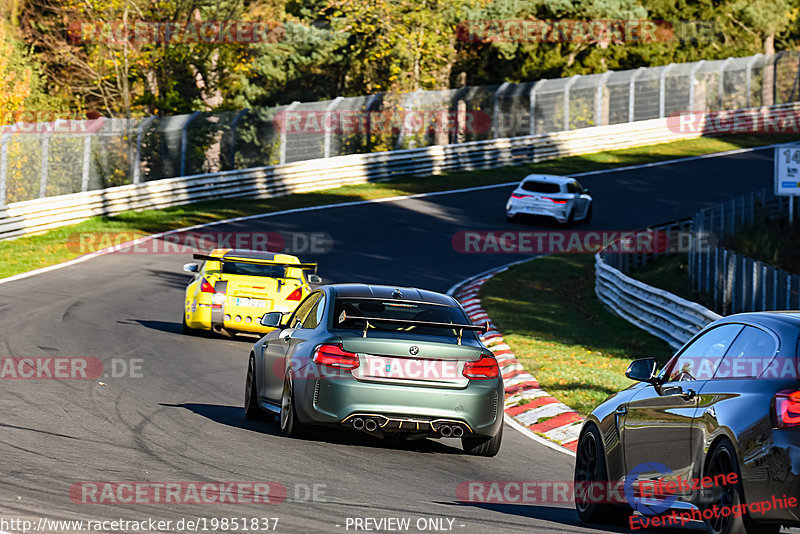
{"x":642,"y":370}
{"x":272,"y":319}
{"x":314,"y":279}
{"x":191,"y":268}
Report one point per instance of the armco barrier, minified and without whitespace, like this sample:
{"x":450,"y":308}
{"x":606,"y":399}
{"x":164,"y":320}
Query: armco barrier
{"x":659,"y":312}
{"x":42,"y":214}
{"x":37,"y":215}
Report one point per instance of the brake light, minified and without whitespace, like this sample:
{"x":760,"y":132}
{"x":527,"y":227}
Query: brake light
{"x":787,"y":408}
{"x":297,"y":294}
{"x":483,"y":368}
{"x":555,"y":200}
{"x":205,"y":287}
{"x":335,"y":356}
{"x":517,"y":195}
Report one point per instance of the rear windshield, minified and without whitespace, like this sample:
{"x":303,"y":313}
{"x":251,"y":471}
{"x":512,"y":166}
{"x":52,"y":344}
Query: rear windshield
{"x":252,"y":269}
{"x":392,"y":309}
{"x":541,"y":187}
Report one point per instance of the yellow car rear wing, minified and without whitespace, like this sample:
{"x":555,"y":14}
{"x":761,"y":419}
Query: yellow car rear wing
{"x":256,"y":261}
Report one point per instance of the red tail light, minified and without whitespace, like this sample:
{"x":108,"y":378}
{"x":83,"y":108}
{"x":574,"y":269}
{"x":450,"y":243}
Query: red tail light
{"x":787,"y":408}
{"x":516,"y":195}
{"x":205,"y":287}
{"x":297,"y":294}
{"x":483,"y":368}
{"x":555,"y":200}
{"x":335,"y":356}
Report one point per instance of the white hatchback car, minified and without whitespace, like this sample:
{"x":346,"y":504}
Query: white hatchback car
{"x":560,"y":197}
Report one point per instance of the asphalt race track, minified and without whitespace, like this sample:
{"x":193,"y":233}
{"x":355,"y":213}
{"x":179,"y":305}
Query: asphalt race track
{"x":182,"y":419}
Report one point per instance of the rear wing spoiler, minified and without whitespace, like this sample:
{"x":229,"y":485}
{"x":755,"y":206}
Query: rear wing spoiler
{"x":409,"y":322}
{"x":256,"y":261}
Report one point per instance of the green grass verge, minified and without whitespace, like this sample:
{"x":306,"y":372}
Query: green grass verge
{"x":671,"y":273}
{"x":773,"y":241}
{"x":549,"y":315}
{"x":33,"y":252}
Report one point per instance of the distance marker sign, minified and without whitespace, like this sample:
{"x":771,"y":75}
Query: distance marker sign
{"x":787,"y":170}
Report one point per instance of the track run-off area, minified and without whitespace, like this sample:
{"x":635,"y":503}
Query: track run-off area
{"x":178,"y":417}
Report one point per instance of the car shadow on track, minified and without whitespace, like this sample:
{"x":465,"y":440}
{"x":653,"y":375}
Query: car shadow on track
{"x":175,"y":328}
{"x":234,"y":416}
{"x":564,"y":516}
{"x":227,"y":415}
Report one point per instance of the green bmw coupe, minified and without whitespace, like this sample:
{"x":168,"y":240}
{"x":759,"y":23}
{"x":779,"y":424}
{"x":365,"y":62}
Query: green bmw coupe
{"x":380,"y":360}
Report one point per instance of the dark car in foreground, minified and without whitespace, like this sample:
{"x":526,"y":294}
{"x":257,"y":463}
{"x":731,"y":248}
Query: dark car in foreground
{"x":382,"y":360}
{"x":727,"y":404}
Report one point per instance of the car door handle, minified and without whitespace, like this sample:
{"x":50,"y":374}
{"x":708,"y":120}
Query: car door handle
{"x":621,"y":410}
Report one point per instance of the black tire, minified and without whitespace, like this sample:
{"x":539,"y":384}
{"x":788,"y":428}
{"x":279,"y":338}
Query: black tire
{"x":185,"y":330}
{"x":252,"y":410}
{"x":570,"y":220}
{"x":590,"y":467}
{"x":483,"y":446}
{"x":588,"y":218}
{"x":512,"y":218}
{"x":722,"y":461}
{"x":291,"y":426}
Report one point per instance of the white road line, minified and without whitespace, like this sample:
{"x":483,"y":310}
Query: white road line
{"x":527,"y":433}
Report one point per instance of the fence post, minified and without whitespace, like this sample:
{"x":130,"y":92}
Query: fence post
{"x":4,"y":139}
{"x":662,"y":94}
{"x":775,"y":81}
{"x":569,"y":84}
{"x":45,"y":157}
{"x":775,"y":274}
{"x":327,"y":142}
{"x":282,"y":157}
{"x":137,"y":164}
{"x":87,"y":159}
{"x":632,"y":92}
{"x":496,"y":109}
{"x":235,"y":122}
{"x":717,"y":280}
{"x":726,"y":289}
{"x":185,"y":140}
{"x":532,"y":105}
{"x":749,"y":79}
{"x":721,"y":89}
{"x":755,"y":284}
{"x":598,"y":98}
{"x":692,"y":78}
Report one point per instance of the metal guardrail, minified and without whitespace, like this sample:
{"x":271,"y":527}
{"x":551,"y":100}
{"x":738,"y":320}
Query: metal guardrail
{"x":37,"y":215}
{"x":659,"y":312}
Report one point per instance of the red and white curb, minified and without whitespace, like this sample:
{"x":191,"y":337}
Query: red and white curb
{"x":525,"y":402}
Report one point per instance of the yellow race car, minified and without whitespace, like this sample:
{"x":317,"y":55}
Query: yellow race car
{"x":233,"y":288}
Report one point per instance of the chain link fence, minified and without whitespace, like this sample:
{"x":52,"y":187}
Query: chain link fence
{"x":736,"y":282}
{"x":49,"y":159}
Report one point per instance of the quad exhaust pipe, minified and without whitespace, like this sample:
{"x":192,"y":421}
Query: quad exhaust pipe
{"x":448,"y":431}
{"x":370,"y":425}
{"x":379,"y":424}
